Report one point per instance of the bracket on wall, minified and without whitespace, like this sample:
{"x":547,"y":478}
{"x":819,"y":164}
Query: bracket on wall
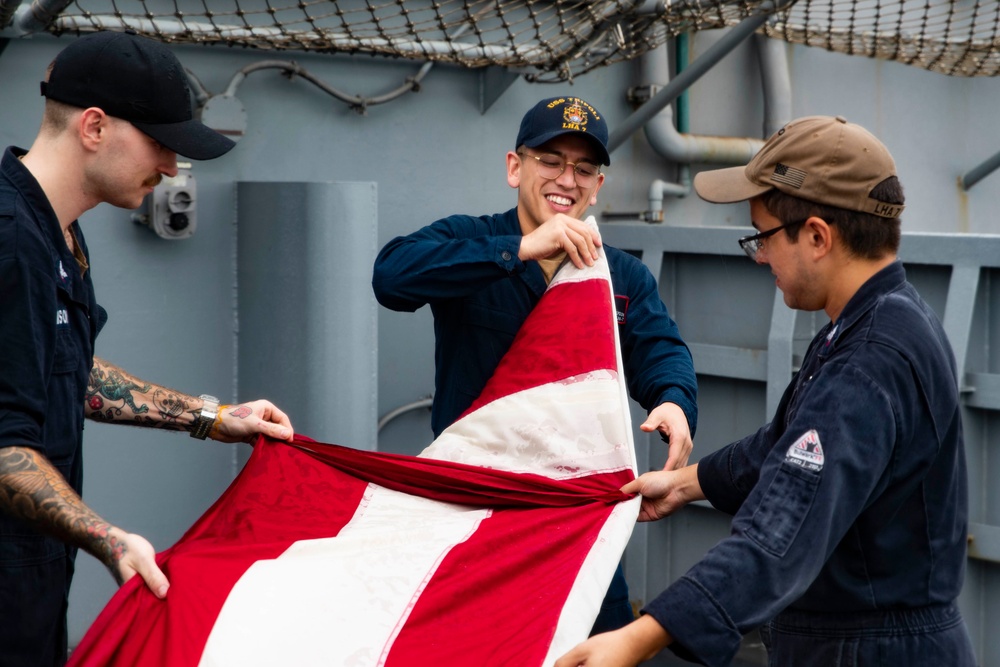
{"x":494,"y":82}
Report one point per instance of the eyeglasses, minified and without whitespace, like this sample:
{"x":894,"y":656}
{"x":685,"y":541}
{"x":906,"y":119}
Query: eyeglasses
{"x":752,"y":244}
{"x":551,"y":167}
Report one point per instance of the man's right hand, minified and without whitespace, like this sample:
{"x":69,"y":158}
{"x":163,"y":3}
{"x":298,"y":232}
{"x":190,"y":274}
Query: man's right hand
{"x":665,"y":491}
{"x":34,"y":490}
{"x":559,"y":234}
{"x":134,"y":555}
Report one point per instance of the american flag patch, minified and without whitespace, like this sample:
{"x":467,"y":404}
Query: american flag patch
{"x":788,"y":175}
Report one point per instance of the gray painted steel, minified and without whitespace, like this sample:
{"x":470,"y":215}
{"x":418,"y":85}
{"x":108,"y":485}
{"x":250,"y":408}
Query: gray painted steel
{"x":177,"y":307}
{"x":954,"y":273}
{"x":306,"y":332}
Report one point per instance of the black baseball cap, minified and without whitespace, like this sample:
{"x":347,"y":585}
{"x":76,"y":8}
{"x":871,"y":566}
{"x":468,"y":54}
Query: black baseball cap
{"x":556,"y":116}
{"x":136,"y":79}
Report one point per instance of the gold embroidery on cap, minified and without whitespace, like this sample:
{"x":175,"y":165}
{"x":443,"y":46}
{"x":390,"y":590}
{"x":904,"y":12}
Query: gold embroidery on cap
{"x":574,"y":117}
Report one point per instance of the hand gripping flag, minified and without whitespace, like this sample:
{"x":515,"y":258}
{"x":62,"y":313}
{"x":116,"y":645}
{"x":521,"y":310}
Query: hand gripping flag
{"x":494,"y":547}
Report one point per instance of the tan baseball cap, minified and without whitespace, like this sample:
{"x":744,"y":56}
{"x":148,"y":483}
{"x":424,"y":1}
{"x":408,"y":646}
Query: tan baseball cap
{"x":822,"y":159}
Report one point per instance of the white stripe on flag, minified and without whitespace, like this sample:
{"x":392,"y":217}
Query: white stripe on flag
{"x":526,"y":431}
{"x":293,"y":610}
{"x":593,"y":580}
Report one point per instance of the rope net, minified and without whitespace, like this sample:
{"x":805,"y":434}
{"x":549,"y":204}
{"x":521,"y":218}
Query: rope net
{"x":555,"y":40}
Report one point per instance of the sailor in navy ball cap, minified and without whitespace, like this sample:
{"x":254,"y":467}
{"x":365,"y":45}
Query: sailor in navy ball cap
{"x":136,"y":79}
{"x":556,"y":116}
{"x":482,"y":276}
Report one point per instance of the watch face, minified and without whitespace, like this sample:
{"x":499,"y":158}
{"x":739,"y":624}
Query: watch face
{"x":210,"y":404}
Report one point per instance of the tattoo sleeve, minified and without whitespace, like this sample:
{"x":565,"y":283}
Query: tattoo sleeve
{"x":114,"y":395}
{"x":33,"y":489}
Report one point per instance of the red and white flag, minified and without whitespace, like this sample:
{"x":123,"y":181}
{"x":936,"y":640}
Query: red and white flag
{"x":494,"y":547}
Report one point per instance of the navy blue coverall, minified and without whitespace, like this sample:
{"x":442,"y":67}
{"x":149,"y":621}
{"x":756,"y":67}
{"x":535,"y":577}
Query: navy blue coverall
{"x":49,"y":319}
{"x":850,"y":506}
{"x":480,"y":293}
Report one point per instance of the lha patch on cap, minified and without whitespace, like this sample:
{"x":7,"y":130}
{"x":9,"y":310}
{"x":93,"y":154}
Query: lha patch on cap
{"x":806,"y":452}
{"x":574,"y":117}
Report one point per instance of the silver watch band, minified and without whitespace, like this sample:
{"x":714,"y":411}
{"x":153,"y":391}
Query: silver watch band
{"x":206,"y":417}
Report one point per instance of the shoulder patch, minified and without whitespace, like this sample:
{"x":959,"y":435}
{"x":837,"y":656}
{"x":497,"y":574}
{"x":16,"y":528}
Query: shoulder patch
{"x":806,"y":452}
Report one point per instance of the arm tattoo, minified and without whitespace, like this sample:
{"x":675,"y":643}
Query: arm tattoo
{"x":114,"y":395}
{"x":110,"y":392}
{"x":32,"y":489}
{"x":242,"y":412}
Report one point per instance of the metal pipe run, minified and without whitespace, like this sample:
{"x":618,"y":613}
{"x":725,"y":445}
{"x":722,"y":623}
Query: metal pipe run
{"x":685,"y":79}
{"x":424,"y":403}
{"x":7,"y":9}
{"x":39,"y":15}
{"x":982,"y":171}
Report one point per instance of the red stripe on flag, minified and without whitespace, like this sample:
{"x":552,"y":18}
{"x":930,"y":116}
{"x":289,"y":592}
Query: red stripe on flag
{"x":284,"y":495}
{"x":280,"y":497}
{"x":543,"y":352}
{"x":474,"y":612}
{"x":485,"y":487}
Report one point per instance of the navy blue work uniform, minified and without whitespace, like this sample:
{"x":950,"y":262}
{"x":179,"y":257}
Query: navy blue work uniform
{"x":480,"y":293}
{"x":849,"y":534}
{"x":49,"y":320}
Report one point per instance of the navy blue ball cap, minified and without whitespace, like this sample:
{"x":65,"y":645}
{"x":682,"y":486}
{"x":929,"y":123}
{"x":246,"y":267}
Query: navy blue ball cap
{"x":556,"y":116}
{"x":136,"y":79}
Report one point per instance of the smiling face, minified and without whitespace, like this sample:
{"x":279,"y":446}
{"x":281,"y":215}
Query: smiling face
{"x":538,"y":198}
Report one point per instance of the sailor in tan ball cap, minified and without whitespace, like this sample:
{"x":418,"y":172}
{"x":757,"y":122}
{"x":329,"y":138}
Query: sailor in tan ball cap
{"x":848,"y":540}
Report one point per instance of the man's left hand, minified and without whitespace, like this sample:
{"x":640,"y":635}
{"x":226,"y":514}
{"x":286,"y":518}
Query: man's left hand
{"x":241,"y":423}
{"x":670,"y":420}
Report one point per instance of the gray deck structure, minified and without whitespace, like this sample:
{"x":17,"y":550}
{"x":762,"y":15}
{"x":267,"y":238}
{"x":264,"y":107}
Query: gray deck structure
{"x":271,"y":295}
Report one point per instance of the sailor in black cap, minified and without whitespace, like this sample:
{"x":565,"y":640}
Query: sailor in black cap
{"x":117,"y":114}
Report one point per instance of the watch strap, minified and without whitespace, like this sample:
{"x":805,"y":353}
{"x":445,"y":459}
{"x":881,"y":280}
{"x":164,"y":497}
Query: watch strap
{"x":206,"y":417}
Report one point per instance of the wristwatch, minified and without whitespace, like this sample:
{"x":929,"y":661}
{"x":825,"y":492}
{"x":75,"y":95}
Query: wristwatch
{"x":206,"y":417}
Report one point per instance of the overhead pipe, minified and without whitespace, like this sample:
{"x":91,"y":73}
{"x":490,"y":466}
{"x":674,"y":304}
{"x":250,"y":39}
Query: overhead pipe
{"x":655,"y":69}
{"x":39,"y":15}
{"x":44,"y":13}
{"x":675,"y":144}
{"x":776,"y":80}
{"x":173,"y":27}
{"x":423,"y":403}
{"x":7,"y":9}
{"x":685,"y":79}
{"x":982,"y":171}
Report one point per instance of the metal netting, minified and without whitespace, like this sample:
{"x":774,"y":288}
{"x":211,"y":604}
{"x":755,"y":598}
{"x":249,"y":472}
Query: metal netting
{"x":554,"y":39}
{"x":957,"y":38}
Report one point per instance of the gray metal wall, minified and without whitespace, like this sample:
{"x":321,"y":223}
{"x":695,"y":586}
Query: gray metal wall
{"x":438,"y":152}
{"x":330,"y":324}
{"x":746,"y":344}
